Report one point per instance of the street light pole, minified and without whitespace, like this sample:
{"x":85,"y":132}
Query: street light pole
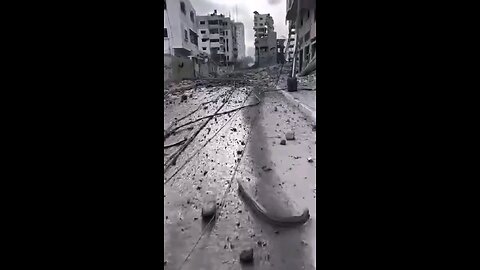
{"x":297,"y":23}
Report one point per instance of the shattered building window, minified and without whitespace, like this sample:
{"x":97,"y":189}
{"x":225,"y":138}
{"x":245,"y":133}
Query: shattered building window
{"x":165,"y":33}
{"x":186,"y":35}
{"x":193,"y":37}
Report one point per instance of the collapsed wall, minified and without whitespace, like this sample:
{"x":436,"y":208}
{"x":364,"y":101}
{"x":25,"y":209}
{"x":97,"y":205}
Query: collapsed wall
{"x":265,"y":40}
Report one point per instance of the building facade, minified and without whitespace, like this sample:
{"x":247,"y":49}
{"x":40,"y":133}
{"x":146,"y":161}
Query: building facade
{"x":281,"y":50}
{"x":180,"y":36}
{"x":302,"y":12}
{"x":265,"y":39}
{"x":240,"y":34}
{"x":218,"y":38}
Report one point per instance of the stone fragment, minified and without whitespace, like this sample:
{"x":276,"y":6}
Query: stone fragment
{"x":290,"y":135}
{"x":246,"y":256}
{"x":209,"y":209}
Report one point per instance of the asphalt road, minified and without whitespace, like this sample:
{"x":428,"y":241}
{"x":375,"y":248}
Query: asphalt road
{"x":245,"y":143}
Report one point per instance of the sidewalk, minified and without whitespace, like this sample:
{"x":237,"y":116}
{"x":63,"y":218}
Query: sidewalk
{"x":305,"y":100}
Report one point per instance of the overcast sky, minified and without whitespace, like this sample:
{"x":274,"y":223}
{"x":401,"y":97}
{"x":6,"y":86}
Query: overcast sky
{"x":245,"y":9}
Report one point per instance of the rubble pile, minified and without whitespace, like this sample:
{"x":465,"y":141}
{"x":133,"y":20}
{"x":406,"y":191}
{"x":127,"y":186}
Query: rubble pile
{"x":308,"y":81}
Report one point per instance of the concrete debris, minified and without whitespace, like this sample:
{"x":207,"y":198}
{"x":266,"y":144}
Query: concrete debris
{"x":283,"y":142}
{"x":266,"y":169}
{"x":209,"y":209}
{"x":310,"y":159}
{"x":246,"y":256}
{"x":308,"y":82}
{"x":261,"y":243}
{"x":290,"y":135}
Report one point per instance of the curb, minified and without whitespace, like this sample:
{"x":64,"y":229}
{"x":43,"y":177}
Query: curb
{"x":309,"y":113}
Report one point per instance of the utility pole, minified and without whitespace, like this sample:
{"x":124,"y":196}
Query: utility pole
{"x":297,"y":24}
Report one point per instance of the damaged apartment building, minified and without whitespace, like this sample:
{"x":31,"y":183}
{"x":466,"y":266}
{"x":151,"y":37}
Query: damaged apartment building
{"x":302,"y":36}
{"x":180,"y":36}
{"x":180,"y":41}
{"x":265,"y":40}
{"x":218,"y":38}
{"x":182,"y":57}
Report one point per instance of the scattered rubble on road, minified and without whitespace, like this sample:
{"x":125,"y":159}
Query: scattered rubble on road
{"x":218,"y":160}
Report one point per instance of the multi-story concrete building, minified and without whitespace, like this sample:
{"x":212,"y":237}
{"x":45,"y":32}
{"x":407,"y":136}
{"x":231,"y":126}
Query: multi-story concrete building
{"x":302,"y":23}
{"x":240,"y":34}
{"x":218,"y":38}
{"x":265,"y":39}
{"x":180,"y":36}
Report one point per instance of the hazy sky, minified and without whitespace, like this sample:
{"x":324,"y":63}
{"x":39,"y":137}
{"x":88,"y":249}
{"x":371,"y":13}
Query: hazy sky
{"x":245,"y":9}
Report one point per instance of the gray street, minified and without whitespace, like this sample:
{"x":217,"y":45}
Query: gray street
{"x":204,"y":159}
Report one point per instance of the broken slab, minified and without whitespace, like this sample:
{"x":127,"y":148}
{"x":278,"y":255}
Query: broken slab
{"x":209,"y":209}
{"x":290,"y":135}
{"x":246,"y":256}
